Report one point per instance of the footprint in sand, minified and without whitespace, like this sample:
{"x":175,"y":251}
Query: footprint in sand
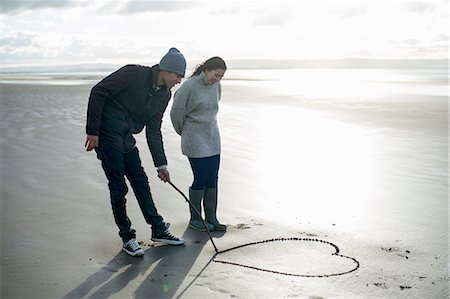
{"x":243,"y":226}
{"x":380,"y":285}
{"x":401,"y":253}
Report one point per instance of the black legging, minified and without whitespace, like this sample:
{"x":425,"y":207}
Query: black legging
{"x":206,"y":172}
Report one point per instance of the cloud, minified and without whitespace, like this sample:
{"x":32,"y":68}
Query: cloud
{"x":140,"y":6}
{"x":62,"y":31}
{"x":273,"y":19}
{"x":16,"y":6}
{"x":20,"y":47}
{"x":226,"y":11}
{"x":419,"y":7}
{"x":441,"y":38}
{"x":18,"y":40}
{"x":120,"y":7}
{"x":24,"y":48}
{"x":349,"y":11}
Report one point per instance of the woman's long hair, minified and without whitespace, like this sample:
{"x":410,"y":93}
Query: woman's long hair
{"x":212,"y":63}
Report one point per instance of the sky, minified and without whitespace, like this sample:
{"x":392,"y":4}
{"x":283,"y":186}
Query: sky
{"x":66,"y":32}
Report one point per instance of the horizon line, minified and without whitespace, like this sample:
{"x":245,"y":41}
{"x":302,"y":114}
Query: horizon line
{"x":259,"y":63}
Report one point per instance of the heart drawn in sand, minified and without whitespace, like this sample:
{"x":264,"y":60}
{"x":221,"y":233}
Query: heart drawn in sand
{"x":301,"y":257}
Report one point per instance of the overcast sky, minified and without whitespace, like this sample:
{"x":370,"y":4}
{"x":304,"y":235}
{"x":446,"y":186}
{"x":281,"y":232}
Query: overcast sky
{"x":57,"y":32}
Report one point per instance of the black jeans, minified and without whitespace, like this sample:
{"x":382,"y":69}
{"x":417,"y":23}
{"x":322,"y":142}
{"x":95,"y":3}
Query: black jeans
{"x":117,"y":165}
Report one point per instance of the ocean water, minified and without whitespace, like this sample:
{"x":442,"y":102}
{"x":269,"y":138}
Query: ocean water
{"x":52,"y":78}
{"x":350,"y":83}
{"x":365,"y":83}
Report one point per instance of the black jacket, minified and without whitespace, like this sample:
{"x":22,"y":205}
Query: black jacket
{"x":123,"y":104}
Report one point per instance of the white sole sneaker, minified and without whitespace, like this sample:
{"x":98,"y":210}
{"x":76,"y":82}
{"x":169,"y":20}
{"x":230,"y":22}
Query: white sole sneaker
{"x":139,"y":252}
{"x":132,"y":248}
{"x":169,"y":242}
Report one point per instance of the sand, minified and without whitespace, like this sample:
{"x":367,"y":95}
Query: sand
{"x":369,"y":177}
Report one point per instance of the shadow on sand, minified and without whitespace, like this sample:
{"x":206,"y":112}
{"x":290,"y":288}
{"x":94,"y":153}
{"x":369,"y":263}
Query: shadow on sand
{"x":173,"y":264}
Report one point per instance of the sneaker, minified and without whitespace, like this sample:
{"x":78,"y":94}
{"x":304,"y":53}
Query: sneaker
{"x":167,"y":238}
{"x":132,"y":248}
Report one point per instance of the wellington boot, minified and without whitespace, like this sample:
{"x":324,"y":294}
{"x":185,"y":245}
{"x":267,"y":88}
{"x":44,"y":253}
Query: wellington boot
{"x":195,"y":197}
{"x":210,"y":205}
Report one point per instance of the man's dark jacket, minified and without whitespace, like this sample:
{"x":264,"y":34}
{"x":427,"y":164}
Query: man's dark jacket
{"x":123,"y":104}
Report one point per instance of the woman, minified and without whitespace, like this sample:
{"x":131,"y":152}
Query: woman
{"x":194,"y":117}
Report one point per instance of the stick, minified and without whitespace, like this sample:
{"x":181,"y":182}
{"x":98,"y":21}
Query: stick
{"x":199,"y":214}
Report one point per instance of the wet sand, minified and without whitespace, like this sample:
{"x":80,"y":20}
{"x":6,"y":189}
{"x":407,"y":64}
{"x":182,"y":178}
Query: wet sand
{"x":370,"y":178}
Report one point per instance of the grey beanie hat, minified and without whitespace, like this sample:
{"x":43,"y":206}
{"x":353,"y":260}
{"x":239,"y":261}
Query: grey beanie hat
{"x":173,"y":62}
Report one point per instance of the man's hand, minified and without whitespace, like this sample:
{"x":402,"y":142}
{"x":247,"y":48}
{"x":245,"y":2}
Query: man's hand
{"x":163,"y":174}
{"x":91,"y":142}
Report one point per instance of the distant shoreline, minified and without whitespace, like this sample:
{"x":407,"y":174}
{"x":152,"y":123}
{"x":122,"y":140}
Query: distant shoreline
{"x":254,"y":64}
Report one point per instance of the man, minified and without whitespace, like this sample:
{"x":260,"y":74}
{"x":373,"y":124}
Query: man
{"x":121,"y":105}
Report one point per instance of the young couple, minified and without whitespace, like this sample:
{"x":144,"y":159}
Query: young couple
{"x":135,"y":97}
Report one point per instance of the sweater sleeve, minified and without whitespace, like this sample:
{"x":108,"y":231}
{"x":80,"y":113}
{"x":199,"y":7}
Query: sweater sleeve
{"x":104,"y":91}
{"x":178,"y":112}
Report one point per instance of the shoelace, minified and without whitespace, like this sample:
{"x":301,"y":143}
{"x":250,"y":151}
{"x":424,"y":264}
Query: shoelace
{"x":169,"y":235}
{"x":133,"y":245}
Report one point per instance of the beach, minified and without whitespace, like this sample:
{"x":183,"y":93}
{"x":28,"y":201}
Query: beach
{"x":354,"y":157}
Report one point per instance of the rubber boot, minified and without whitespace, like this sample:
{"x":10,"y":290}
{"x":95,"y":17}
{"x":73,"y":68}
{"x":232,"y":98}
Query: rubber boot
{"x":195,"y":197}
{"x":210,"y":205}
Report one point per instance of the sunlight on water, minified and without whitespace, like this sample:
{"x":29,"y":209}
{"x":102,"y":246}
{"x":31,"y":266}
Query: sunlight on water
{"x":328,"y":83}
{"x":344,"y":83}
{"x":308,"y":163}
{"x":324,"y":144}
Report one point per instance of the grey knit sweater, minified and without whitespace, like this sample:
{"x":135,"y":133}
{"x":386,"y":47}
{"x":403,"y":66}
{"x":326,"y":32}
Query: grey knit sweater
{"x":194,"y":117}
